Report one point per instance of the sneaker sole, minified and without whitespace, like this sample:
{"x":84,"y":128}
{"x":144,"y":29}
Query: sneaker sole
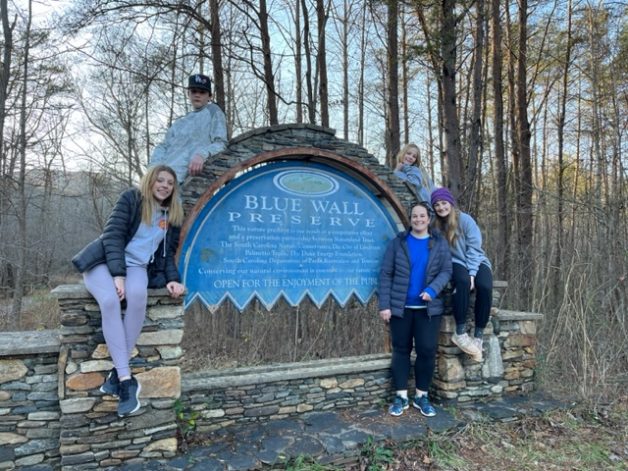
{"x":137,"y":398}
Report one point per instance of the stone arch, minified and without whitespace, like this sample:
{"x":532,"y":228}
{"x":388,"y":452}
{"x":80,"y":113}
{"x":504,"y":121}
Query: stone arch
{"x":295,"y":142}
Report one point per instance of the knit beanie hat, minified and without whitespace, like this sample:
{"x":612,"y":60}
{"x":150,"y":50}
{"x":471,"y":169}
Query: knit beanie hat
{"x":443,"y":194}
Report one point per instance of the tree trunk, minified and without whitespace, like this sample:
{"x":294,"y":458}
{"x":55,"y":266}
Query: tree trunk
{"x":20,"y":272}
{"x":392,"y":95}
{"x":216,"y":48}
{"x":311,"y":104}
{"x":475,"y":138}
{"x":345,"y":70}
{"x":321,"y":59}
{"x":405,"y":79}
{"x":560,"y":134}
{"x":525,"y":171}
{"x":298,"y":62}
{"x":269,"y":77}
{"x":503,"y":262}
{"x":450,"y":113}
{"x":361,"y":81}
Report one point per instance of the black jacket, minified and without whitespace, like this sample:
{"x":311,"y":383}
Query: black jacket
{"x":394,"y":275}
{"x":120,"y":228}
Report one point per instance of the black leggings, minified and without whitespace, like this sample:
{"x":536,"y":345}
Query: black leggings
{"x":415,"y":324}
{"x":483,"y":294}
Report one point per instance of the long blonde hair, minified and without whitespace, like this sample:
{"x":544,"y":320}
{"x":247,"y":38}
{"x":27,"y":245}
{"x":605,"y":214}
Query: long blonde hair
{"x":149,"y":204}
{"x":449,"y":225}
{"x":417,"y":163}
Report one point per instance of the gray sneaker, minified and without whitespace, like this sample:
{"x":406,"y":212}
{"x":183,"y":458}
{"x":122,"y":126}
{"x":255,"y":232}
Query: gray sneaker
{"x":111,"y":384}
{"x":129,"y":397}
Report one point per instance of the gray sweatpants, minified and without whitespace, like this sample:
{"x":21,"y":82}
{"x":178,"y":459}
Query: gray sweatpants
{"x":120,"y":333}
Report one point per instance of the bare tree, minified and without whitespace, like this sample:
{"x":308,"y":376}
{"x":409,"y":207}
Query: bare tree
{"x":498,"y":137}
{"x":321,"y":62}
{"x":392,"y":95}
{"x":524,"y":195}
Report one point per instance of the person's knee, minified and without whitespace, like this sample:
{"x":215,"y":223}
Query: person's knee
{"x":483,"y":286}
{"x":462,"y":281}
{"x":426,"y":352}
{"x":109,"y":305}
{"x":400,"y":349}
{"x":136,"y":299}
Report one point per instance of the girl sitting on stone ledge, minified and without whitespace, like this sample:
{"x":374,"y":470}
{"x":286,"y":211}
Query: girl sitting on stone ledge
{"x":138,"y":236}
{"x":471,"y":270}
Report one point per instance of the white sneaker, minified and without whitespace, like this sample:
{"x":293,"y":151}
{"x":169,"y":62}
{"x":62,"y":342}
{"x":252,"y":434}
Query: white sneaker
{"x":467,"y":345}
{"x":478,"y":343}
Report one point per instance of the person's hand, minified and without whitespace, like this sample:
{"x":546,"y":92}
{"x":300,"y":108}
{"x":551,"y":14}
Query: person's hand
{"x":385,"y":315}
{"x":196,"y":164}
{"x":472,"y":283}
{"x":118,"y":282}
{"x":425,"y":296}
{"x":399,"y":166}
{"x":175,"y":289}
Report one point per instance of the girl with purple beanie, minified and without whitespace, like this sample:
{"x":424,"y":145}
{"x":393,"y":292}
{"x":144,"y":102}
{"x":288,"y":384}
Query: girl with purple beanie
{"x":471,"y":270}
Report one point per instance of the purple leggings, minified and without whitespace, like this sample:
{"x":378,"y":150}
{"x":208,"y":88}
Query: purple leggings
{"x":120,"y":333}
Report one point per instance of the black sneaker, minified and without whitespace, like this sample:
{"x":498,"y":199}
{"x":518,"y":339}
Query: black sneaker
{"x":111,"y":384}
{"x":129,"y":391}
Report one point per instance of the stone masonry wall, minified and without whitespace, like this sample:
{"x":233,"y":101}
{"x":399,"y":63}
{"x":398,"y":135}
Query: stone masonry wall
{"x":52,"y":413}
{"x":29,"y":403}
{"x":221,"y":398}
{"x":91,"y":432}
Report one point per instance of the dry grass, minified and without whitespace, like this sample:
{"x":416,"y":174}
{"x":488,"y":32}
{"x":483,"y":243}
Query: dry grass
{"x":228,"y":338}
{"x":40,"y":310}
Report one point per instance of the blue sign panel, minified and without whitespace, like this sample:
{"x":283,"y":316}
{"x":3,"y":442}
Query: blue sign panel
{"x":288,"y":229}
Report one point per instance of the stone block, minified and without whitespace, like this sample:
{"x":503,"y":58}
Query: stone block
{"x":450,"y":369}
{"x":527,"y":327}
{"x":10,"y":370}
{"x":77,"y":405}
{"x":169,"y":352}
{"x":43,"y":415}
{"x":329,"y":383}
{"x":216,"y":413}
{"x":448,"y":325}
{"x":519,"y":340}
{"x":261,"y":411}
{"x":161,"y":337}
{"x":166,"y":445}
{"x":352,"y":383}
{"x":30,"y":460}
{"x":161,"y":382}
{"x":8,"y":438}
{"x":165,"y":312}
{"x":448,"y":386}
{"x":92,"y":366}
{"x":84,"y":381}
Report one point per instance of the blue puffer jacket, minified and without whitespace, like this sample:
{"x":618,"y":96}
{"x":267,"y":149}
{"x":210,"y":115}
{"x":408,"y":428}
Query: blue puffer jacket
{"x":123,"y":222}
{"x":394,"y":275}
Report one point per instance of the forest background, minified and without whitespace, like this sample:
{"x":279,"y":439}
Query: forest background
{"x":519,"y":106}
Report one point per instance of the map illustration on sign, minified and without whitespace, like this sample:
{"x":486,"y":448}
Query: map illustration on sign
{"x":287,"y":229}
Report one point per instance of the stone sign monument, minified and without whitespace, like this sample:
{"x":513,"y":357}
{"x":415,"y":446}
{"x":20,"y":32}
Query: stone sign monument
{"x":290,"y":229}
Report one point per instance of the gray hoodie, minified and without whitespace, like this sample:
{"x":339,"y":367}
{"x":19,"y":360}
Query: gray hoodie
{"x":202,"y":131}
